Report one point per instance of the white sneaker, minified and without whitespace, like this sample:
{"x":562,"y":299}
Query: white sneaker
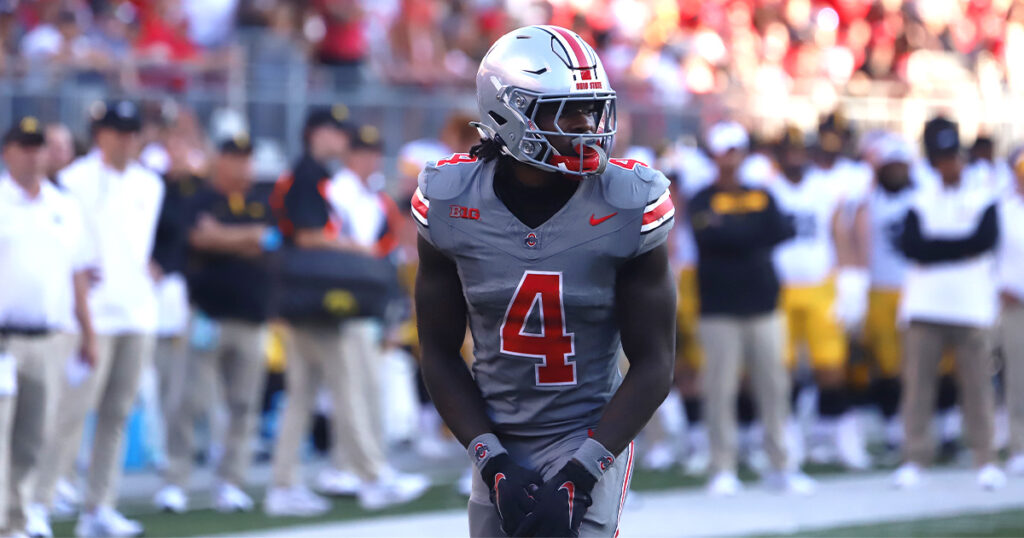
{"x":697,"y":463}
{"x":231,"y":499}
{"x":171,"y":499}
{"x":106,"y":521}
{"x":850,"y":443}
{"x":724,"y":484}
{"x":465,"y":484}
{"x":1016,"y":464}
{"x":793,"y":482}
{"x":37,"y":521}
{"x":991,"y":477}
{"x":294,"y":501}
{"x":392,"y":490}
{"x":658,"y":457}
{"x":335,"y":483}
{"x":907,"y":476}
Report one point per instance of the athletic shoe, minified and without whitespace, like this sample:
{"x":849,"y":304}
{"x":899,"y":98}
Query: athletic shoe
{"x":335,"y":483}
{"x":991,"y":477}
{"x":392,"y":490}
{"x":171,"y":499}
{"x":296,"y":501}
{"x":907,"y":476}
{"x":793,"y":482}
{"x":232,"y":499}
{"x":724,"y":484}
{"x":1016,"y":464}
{"x":465,"y":484}
{"x":658,"y":457}
{"x":106,"y":521}
{"x":37,"y":521}
{"x":850,"y":443}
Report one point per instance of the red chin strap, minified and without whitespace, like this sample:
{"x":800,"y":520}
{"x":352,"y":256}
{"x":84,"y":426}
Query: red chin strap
{"x":591,"y":161}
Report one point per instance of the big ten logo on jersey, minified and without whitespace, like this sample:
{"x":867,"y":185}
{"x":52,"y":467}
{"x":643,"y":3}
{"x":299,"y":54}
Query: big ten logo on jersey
{"x":460,"y":212}
{"x":589,"y":86}
{"x":457,"y":158}
{"x":806,"y":225}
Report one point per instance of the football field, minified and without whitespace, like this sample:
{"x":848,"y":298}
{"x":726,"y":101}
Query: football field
{"x":664,"y":504}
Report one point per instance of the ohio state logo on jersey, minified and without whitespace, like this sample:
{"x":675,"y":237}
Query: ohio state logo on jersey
{"x":605,"y":462}
{"x":481,"y":450}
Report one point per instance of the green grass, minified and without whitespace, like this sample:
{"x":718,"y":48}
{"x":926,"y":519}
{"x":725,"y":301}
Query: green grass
{"x":997,"y":524}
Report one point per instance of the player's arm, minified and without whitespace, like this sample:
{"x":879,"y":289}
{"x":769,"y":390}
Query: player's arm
{"x":645,"y":304}
{"x":441,"y":321}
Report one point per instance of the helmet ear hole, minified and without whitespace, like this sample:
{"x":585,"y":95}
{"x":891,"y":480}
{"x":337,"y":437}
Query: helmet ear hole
{"x":497,"y":118}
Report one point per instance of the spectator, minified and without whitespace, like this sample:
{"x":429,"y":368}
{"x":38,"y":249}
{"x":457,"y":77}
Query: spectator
{"x":950,"y":300}
{"x":59,"y":149}
{"x":211,"y":23}
{"x":121,"y":200}
{"x":1011,"y":284}
{"x":736,"y":228}
{"x":343,"y":46}
{"x":230,"y":236}
{"x":43,"y":266}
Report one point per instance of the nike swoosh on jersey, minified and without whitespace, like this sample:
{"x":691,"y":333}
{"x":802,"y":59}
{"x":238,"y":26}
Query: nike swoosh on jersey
{"x":595,"y":222}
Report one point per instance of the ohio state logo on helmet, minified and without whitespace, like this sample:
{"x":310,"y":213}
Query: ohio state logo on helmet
{"x":481,"y":450}
{"x":550,"y":68}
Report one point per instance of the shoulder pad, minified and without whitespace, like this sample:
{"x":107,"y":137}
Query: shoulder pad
{"x":631,"y":184}
{"x":447,"y":178}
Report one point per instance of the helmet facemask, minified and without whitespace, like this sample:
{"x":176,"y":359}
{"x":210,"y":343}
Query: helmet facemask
{"x":582,"y":153}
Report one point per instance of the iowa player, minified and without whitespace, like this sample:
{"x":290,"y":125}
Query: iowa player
{"x":551,"y":251}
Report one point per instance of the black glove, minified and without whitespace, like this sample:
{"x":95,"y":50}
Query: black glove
{"x":561,"y":503}
{"x":512,"y":490}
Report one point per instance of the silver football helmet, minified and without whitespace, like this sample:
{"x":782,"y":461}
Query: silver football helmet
{"x":546,"y":66}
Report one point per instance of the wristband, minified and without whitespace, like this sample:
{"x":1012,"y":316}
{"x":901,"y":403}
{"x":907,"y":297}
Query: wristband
{"x":484,"y":447}
{"x":594,"y":457}
{"x":271,"y":239}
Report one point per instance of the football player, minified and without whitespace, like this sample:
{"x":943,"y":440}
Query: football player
{"x":551,"y":251}
{"x":807,"y":265}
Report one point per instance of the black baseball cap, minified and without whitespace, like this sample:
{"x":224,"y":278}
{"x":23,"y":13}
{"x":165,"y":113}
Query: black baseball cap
{"x":239,"y":144}
{"x":123,"y":116}
{"x":335,"y":116}
{"x":366,"y":137}
{"x":28,"y":131}
{"x":941,"y":138}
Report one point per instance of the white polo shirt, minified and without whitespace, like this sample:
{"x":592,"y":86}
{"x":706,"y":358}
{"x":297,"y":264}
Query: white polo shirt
{"x":42,"y":245}
{"x":1011,"y":244}
{"x":360,"y":207}
{"x":121,"y":211}
{"x":962,"y":292}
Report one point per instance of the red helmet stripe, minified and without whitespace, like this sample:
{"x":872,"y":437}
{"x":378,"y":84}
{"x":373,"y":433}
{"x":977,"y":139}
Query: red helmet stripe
{"x":574,"y":43}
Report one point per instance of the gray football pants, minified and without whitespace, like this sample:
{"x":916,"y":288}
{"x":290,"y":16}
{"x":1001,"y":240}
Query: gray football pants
{"x":547,"y":455}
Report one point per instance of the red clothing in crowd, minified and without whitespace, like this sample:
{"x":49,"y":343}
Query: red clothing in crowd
{"x":344,"y":41}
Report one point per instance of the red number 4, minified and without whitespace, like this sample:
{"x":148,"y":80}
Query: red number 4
{"x":554,"y":346}
{"x":458,"y":158}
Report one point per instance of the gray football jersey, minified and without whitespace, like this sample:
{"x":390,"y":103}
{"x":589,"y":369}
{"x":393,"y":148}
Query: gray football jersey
{"x":541,"y":300}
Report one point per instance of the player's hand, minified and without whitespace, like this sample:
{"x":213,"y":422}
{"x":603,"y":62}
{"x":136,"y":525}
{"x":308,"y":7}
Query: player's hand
{"x":512,"y":490}
{"x":561,"y":503}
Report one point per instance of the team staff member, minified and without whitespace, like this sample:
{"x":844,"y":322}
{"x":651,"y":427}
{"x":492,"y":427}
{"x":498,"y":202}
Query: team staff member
{"x":950,"y":300}
{"x":1011,"y":283}
{"x":230,"y":236}
{"x":806,"y":265}
{"x":737,"y":228}
{"x":121,"y":201}
{"x":43,"y":262}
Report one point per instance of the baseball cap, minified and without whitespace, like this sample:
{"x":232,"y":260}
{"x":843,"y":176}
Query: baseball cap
{"x":335,"y":116}
{"x":726,"y":135}
{"x":123,"y":116}
{"x":26,"y":132}
{"x":941,"y":137}
{"x":893,"y":149}
{"x":239,"y":144}
{"x":367,"y":137}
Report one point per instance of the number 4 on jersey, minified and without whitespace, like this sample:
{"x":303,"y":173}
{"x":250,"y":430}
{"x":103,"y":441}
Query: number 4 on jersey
{"x":553,"y":345}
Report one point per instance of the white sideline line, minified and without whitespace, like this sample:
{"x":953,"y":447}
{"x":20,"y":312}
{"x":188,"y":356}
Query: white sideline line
{"x":839,"y":501}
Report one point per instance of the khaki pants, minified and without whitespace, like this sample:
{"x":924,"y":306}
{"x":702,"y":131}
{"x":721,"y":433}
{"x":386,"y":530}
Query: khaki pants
{"x":923,"y":347}
{"x":347,"y":361}
{"x":1011,"y":339}
{"x":27,"y":419}
{"x":236,"y":365}
{"x":730,"y":344}
{"x":110,"y":389}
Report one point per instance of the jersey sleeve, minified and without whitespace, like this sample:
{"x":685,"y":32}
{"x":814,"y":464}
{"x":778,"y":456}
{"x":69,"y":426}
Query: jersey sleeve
{"x":420,"y":206}
{"x":658,"y":216}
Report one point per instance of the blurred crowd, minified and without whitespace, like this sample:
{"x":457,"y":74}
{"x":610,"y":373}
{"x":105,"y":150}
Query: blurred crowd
{"x":675,"y":48}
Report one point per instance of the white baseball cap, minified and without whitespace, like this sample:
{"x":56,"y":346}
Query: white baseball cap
{"x":894,"y":149}
{"x":726,"y":135}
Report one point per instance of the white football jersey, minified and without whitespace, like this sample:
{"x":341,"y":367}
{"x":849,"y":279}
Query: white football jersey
{"x":809,"y":258}
{"x":886,"y":212}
